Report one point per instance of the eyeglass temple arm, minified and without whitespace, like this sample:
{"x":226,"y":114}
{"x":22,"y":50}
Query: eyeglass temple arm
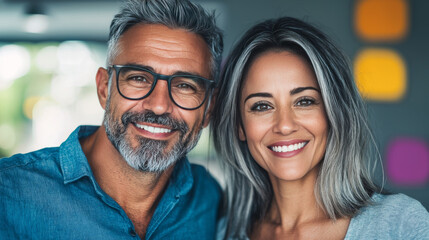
{"x":207,"y":107}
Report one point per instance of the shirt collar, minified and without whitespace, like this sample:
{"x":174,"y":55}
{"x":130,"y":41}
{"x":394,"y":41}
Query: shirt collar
{"x":72,"y":159}
{"x":74,"y":163}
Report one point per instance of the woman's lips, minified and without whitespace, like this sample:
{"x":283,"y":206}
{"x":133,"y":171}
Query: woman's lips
{"x":287,"y":148}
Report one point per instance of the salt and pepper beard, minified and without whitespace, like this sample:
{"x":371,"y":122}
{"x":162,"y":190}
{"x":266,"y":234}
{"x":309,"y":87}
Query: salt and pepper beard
{"x":150,"y":155}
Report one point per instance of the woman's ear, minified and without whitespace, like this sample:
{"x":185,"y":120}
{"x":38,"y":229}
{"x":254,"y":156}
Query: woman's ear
{"x":102,"y":81}
{"x":241,"y":133}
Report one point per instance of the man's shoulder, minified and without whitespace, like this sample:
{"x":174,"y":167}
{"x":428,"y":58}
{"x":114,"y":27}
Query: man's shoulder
{"x":48,"y":157}
{"x":25,"y":159}
{"x":23,"y":176}
{"x":203,"y":176}
{"x":204,"y":181}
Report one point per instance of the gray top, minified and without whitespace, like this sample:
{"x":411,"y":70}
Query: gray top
{"x":391,"y":217}
{"x":395,"y":216}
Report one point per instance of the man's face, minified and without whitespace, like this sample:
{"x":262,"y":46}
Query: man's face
{"x":153,"y":133}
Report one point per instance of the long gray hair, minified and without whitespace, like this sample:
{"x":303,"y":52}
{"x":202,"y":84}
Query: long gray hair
{"x":175,"y":14}
{"x":344,"y":183}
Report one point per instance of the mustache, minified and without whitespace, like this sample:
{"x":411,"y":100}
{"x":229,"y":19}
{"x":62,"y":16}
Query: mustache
{"x":151,"y":117}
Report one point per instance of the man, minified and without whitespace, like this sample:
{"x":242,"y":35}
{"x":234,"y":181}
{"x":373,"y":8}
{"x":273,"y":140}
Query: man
{"x":129,"y":178}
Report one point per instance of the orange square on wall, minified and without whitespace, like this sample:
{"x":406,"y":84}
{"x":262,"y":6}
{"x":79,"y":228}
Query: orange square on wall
{"x":381,"y":20}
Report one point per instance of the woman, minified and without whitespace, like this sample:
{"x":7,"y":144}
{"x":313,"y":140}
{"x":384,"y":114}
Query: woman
{"x":292,"y":130}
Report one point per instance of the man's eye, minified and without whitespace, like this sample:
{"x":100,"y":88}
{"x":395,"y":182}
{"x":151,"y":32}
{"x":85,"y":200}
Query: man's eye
{"x":137,"y":78}
{"x":185,"y":86}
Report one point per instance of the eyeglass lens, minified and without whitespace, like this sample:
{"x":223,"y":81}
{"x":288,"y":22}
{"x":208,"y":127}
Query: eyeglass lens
{"x":185,"y":91}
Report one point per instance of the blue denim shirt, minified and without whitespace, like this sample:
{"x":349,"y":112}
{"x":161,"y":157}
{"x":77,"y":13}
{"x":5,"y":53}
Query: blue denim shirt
{"x":52,"y":194}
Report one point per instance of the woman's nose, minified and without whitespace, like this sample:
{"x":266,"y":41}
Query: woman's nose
{"x":285,"y":122}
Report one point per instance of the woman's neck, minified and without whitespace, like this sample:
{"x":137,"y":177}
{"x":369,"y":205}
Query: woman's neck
{"x":294,"y":202}
{"x":295,"y":214}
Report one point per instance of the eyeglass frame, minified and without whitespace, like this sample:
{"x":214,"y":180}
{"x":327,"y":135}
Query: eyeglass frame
{"x":168,"y":78}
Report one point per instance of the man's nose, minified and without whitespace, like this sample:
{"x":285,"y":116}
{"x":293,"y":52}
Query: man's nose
{"x":159,"y":101}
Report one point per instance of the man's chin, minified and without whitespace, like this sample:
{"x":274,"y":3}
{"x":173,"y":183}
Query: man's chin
{"x":151,"y":166}
{"x":151,"y":155}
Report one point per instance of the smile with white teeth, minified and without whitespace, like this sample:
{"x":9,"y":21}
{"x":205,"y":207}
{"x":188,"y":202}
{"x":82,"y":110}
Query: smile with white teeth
{"x":153,"y":129}
{"x":289,"y":148}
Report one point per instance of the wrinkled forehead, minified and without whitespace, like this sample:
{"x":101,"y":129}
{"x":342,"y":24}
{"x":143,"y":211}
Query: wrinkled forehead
{"x":160,"y":46}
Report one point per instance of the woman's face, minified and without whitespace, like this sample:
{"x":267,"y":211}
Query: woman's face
{"x":283,"y":115}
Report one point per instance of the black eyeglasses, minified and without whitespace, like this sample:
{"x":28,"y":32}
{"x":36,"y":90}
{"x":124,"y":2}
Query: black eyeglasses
{"x":186,"y":91}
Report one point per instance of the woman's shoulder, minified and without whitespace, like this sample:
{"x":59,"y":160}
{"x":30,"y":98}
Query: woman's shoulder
{"x":392,"y":216}
{"x":395,"y":204}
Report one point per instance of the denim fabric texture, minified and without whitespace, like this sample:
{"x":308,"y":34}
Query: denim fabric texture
{"x":52,"y":194}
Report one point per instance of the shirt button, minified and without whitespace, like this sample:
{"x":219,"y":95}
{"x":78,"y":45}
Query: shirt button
{"x":132,"y":232}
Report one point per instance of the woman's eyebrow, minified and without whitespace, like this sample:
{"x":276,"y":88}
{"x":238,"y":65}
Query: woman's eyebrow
{"x":300,"y":89}
{"x":261,"y":94}
{"x":292,"y":92}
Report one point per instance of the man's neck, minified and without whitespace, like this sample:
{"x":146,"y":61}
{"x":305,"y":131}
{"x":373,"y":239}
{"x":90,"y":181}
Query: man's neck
{"x":138,"y":193}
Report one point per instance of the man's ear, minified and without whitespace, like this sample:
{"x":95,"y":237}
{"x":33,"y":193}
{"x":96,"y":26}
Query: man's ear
{"x":102,"y":81}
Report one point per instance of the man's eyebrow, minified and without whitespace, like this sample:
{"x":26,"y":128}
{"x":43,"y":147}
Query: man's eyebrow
{"x":261,"y":94}
{"x":140,"y":66}
{"x":301,"y":89}
{"x":153,"y":70}
{"x":188,"y":73}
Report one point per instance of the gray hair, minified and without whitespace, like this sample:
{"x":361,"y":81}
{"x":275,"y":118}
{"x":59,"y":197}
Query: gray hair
{"x":171,"y":13}
{"x":344,"y":183}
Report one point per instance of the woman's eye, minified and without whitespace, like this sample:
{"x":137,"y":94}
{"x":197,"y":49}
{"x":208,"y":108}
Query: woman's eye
{"x":305,"y":102}
{"x":261,"y":107}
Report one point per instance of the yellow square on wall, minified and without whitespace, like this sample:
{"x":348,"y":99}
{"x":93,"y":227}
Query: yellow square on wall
{"x":380,"y":75}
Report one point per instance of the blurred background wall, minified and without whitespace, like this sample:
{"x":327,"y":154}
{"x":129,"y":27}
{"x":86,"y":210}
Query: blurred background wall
{"x":50,"y":51}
